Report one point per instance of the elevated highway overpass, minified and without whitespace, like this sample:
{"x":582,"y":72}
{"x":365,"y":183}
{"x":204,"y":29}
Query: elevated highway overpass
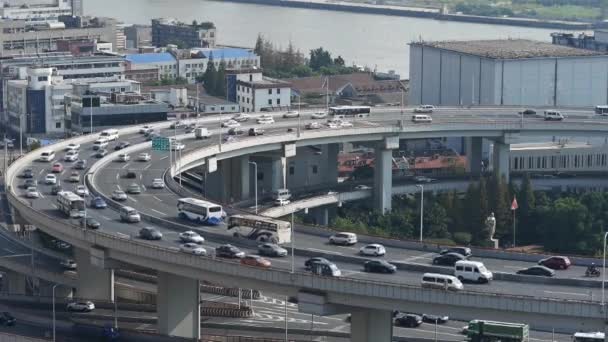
{"x":369,"y":300}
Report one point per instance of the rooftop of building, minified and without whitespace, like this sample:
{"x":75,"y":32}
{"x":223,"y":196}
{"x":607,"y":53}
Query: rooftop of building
{"x":362,"y":82}
{"x":557,"y":145}
{"x":509,"y":48}
{"x":145,"y":58}
{"x":204,"y":25}
{"x":225,"y":52}
{"x":191,"y":89}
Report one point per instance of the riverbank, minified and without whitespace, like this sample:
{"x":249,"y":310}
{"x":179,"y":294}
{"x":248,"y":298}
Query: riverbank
{"x":418,"y":13}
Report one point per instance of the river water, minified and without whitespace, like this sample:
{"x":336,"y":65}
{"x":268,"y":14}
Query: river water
{"x":375,"y":41}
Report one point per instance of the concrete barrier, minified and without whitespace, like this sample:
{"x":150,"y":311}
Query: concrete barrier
{"x":232,"y":292}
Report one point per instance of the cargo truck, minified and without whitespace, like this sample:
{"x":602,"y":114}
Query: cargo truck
{"x":490,"y":331}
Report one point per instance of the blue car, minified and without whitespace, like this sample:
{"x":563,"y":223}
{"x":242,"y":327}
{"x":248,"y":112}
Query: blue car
{"x":98,"y":203}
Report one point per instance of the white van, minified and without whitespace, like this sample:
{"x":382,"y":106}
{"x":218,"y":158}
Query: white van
{"x":472,"y":271}
{"x":109,"y":134}
{"x":47,"y":156}
{"x":553,"y":115}
{"x":422,"y":118}
{"x":281,"y":194}
{"x":129,"y":214}
{"x":441,"y":281}
{"x":424,"y":109}
{"x":100,"y":144}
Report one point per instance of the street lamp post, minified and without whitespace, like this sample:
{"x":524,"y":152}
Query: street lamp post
{"x":299,"y":114}
{"x":54,"y":286}
{"x":421,"y":208}
{"x":292,"y":243}
{"x":604,"y":268}
{"x":255,"y":177}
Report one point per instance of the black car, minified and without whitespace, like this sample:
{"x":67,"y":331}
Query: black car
{"x":56,"y":189}
{"x":131,"y":174}
{"x":537,"y":271}
{"x":435,"y":319}
{"x":448,"y":259}
{"x":91,"y":223}
{"x":235,"y":131}
{"x":149,"y":233}
{"x":316,"y":260}
{"x":408,"y":320}
{"x":28,"y":173}
{"x":229,"y":251}
{"x":121,"y":145}
{"x":29,"y":183}
{"x":379,"y":266}
{"x":528,"y":112}
{"x":81,"y":164}
{"x":464,"y":251}
{"x":7,"y":319}
{"x":101,"y":153}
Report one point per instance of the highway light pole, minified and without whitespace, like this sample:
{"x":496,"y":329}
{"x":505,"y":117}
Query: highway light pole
{"x":292,"y":246}
{"x":604,"y":268}
{"x":421,"y":208}
{"x":255,"y":182}
{"x":54,"y":286}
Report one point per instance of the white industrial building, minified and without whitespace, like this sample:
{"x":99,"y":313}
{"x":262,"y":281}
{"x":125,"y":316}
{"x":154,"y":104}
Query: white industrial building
{"x":255,"y":92}
{"x":561,"y":156}
{"x":506,"y":72}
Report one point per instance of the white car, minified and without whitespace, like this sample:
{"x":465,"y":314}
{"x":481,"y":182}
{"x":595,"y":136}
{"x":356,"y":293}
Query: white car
{"x":318,"y":115}
{"x":192,"y":248}
{"x":71,"y":155}
{"x":158,"y":183}
{"x":50,"y":179}
{"x":313,"y":125}
{"x":230,"y":124}
{"x":177,"y":146}
{"x":144,"y":157}
{"x":119,"y":195}
{"x":81,"y":306}
{"x":123,"y":157}
{"x":72,"y":147}
{"x":32,"y":192}
{"x":190,"y":236}
{"x":265,"y":120}
{"x":242,"y":117}
{"x":346,"y":124}
{"x":362,"y":187}
{"x":82,"y":191}
{"x":424,"y":109}
{"x":281,"y":202}
{"x":373,"y":249}
{"x":291,"y":114}
{"x":144,"y":129}
{"x":68,"y":264}
{"x":343,"y":238}
{"x":423,"y":179}
{"x":333,"y":124}
{"x":229,"y":138}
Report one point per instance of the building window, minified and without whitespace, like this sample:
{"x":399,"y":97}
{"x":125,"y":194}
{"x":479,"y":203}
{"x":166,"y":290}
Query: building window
{"x":247,"y":100}
{"x":260,"y":176}
{"x":270,"y":91}
{"x":270,"y":102}
{"x":278,"y":101}
{"x":250,"y":78}
{"x":292,"y":170}
{"x":221,"y":108}
{"x":315,"y":169}
{"x":42,"y":78}
{"x":278,"y":90}
{"x":238,"y":98}
{"x":57,"y":124}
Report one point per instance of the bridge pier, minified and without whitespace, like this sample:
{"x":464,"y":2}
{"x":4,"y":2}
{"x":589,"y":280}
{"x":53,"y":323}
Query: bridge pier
{"x":14,"y":283}
{"x":473,"y":150}
{"x":383,"y":174}
{"x":371,"y":325}
{"x":332,"y":163}
{"x":320,"y":215}
{"x":94,"y":283}
{"x":178,"y":306}
{"x":500,"y":159}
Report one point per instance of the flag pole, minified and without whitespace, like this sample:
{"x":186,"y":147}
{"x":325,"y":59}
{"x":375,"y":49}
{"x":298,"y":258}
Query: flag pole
{"x":513,"y":228}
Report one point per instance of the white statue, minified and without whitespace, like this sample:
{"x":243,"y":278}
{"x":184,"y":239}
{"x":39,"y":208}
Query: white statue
{"x":491,"y":226}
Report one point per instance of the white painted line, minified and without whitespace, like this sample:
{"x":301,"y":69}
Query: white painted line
{"x":158,"y":199}
{"x":163,"y":158}
{"x":323,"y":251}
{"x":143,"y":187}
{"x":156,"y":211}
{"x":125,"y":236}
{"x":117,"y":175}
{"x":422,"y":256}
{"x":125,"y":166}
{"x":40,"y":173}
{"x":568,"y":293}
{"x":133,"y":199}
{"x":147,"y":166}
{"x":105,"y":218}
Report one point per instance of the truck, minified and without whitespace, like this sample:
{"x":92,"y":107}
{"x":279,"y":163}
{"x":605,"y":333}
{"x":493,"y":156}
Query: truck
{"x":201,"y":133}
{"x":260,"y":228}
{"x":490,"y":331}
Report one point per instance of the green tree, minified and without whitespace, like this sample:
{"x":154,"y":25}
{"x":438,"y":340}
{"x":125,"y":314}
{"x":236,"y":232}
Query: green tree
{"x":483,"y":211}
{"x":566,"y":227}
{"x":339,"y":61}
{"x":436,"y":222}
{"x":210,"y":76}
{"x":526,"y":201}
{"x":319,"y":58}
{"x":259,"y":45}
{"x":220,"y":80}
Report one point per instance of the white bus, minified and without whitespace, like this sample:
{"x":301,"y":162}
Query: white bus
{"x":344,"y":112}
{"x":200,"y":211}
{"x":588,"y":337}
{"x":260,"y":228}
{"x":601,"y":110}
{"x":109,"y":134}
{"x":71,"y":204}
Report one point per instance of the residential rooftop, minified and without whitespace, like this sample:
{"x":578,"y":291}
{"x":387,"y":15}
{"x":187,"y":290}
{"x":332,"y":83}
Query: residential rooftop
{"x":509,"y":48}
{"x":143,"y":58}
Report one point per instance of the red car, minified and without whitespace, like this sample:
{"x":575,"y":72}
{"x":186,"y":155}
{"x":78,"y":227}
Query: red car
{"x":556,"y":262}
{"x":57,"y":167}
{"x":254,"y":260}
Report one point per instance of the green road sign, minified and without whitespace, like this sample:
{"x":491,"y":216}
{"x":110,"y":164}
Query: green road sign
{"x":160,"y":144}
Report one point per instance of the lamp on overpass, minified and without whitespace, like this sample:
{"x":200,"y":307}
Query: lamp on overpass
{"x":421,"y":208}
{"x":54,"y":329}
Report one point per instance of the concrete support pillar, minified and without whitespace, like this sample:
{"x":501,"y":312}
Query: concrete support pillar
{"x":501,"y":159}
{"x":473,"y":146}
{"x":245,"y":176}
{"x":332,"y":163}
{"x":320,"y":215}
{"x":371,"y":325}
{"x":14,"y":283}
{"x":383,"y":179}
{"x":93,"y":282}
{"x":277,"y":174}
{"x":178,"y":306}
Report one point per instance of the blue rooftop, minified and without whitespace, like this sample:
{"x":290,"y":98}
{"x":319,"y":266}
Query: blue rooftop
{"x":227,"y":53}
{"x":144,"y":58}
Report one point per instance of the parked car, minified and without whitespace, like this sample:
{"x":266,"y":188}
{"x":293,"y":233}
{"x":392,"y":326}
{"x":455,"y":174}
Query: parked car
{"x":98,"y":203}
{"x":255,"y":260}
{"x":537,"y":271}
{"x":74,"y":177}
{"x":448,"y":259}
{"x":190,"y":236}
{"x":343,"y":238}
{"x":556,"y":262}
{"x":86,"y":306}
{"x":57,"y":168}
{"x":229,"y":251}
{"x":150,"y":233}
{"x":134,"y":189}
{"x":158,"y":183}
{"x":81,"y":164}
{"x":379,"y":266}
{"x":435,"y":319}
{"x":373,"y":249}
{"x":192,"y":248}
{"x":464,"y":251}
{"x":119,"y":195}
{"x":271,"y":249}
{"x":144,"y":157}
{"x":408,"y":320}
{"x":7,"y":319}
{"x":68,"y":264}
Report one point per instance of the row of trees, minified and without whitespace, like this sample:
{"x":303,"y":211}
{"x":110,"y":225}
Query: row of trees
{"x":214,"y":79}
{"x":560,"y":222}
{"x":290,"y":62}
